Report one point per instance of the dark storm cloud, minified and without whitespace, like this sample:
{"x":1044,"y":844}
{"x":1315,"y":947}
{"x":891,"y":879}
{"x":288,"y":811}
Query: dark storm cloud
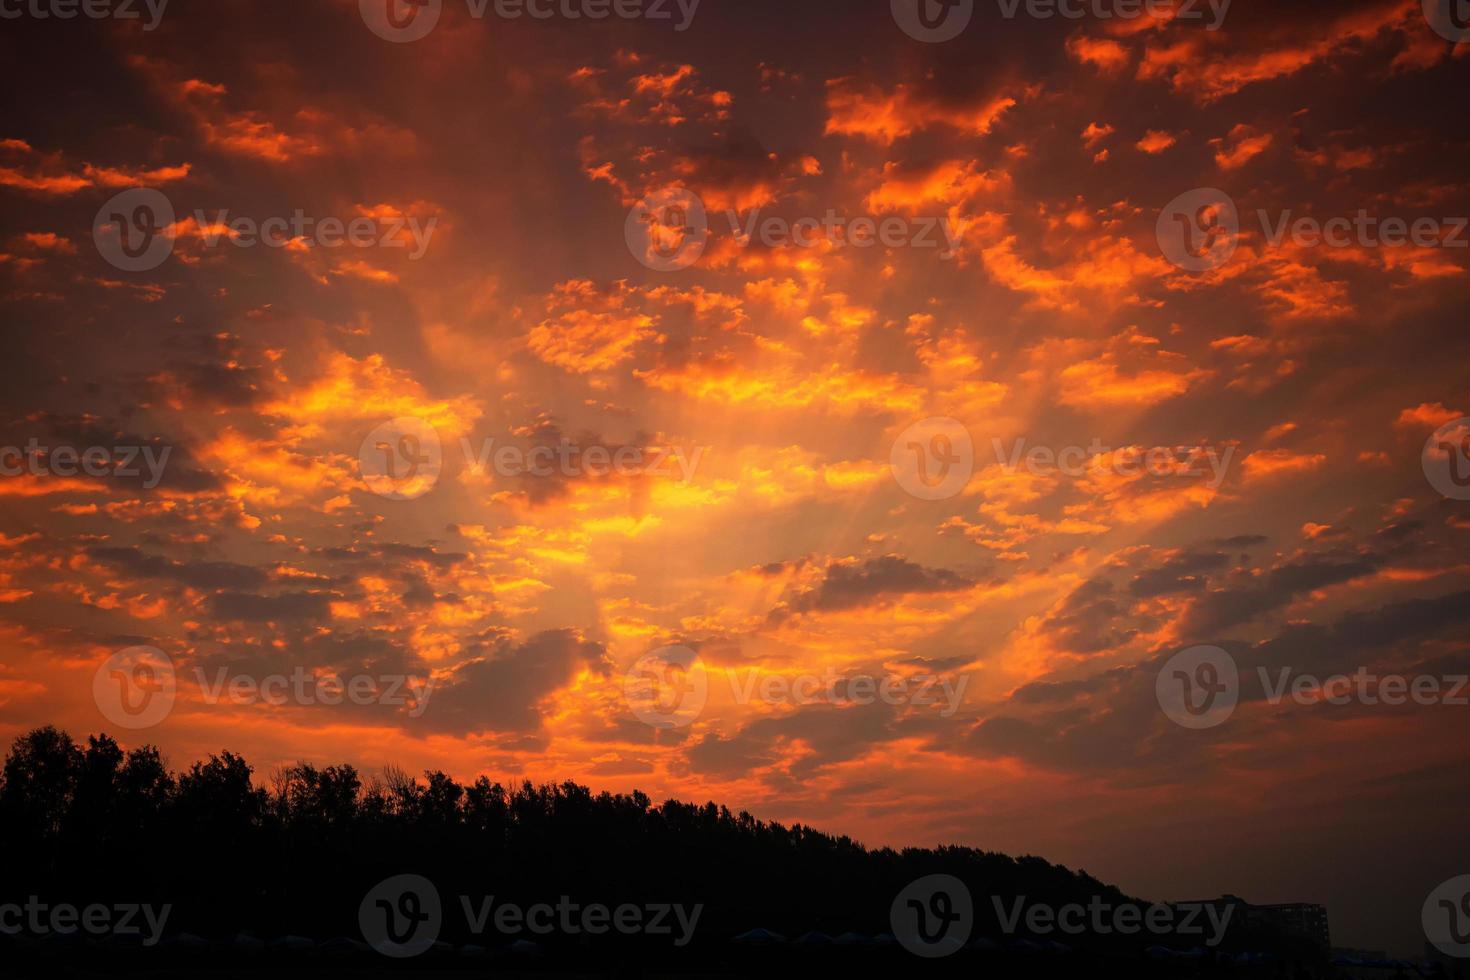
{"x":1241,"y":541}
{"x":143,"y":458}
{"x":1177,"y":574}
{"x":849,"y":585}
{"x":1087,"y":620}
{"x":729,"y":757}
{"x":361,"y":651}
{"x":775,"y":568}
{"x":1254,"y":595}
{"x":427,"y":554}
{"x":1374,"y":636}
{"x":211,"y":370}
{"x":1112,"y":722}
{"x":288,"y":608}
{"x":195,"y":574}
{"x":832,"y":733}
{"x":503,"y":691}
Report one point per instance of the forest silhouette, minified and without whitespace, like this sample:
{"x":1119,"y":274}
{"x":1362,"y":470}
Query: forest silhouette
{"x":294,"y":853}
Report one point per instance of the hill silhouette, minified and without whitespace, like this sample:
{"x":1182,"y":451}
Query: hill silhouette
{"x":295,"y":853}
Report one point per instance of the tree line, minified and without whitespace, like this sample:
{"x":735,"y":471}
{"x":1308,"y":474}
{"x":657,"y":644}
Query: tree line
{"x":295,"y":853}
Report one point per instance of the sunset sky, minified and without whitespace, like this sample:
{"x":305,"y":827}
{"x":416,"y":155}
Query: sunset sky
{"x":784,"y":375}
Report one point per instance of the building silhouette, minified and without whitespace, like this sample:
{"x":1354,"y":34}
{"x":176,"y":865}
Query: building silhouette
{"x":1300,"y":921}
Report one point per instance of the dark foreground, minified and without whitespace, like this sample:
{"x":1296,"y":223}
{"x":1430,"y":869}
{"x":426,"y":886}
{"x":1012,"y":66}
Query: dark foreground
{"x":65,"y":958}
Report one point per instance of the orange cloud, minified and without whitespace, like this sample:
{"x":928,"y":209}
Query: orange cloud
{"x":1107,"y":56}
{"x":1197,"y":66}
{"x":1280,"y":462}
{"x":884,"y":117}
{"x":1156,"y":141}
{"x":1427,"y":416}
{"x":1244,"y":144}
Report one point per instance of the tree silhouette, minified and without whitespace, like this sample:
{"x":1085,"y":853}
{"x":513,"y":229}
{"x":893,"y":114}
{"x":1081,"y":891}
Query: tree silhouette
{"x":101,"y":824}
